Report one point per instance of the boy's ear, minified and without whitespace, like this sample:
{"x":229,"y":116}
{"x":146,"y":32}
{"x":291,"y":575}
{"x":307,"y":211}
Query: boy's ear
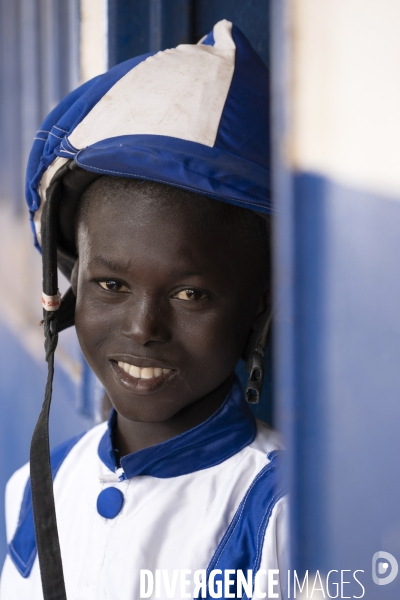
{"x":74,"y":277}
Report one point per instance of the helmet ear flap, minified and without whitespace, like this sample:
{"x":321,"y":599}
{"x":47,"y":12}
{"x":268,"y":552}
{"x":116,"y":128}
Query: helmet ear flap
{"x":254,"y":356}
{"x":60,"y":258}
{"x":62,"y":200}
{"x":65,"y":314}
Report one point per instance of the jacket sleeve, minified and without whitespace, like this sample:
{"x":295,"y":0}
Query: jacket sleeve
{"x":14,"y":494}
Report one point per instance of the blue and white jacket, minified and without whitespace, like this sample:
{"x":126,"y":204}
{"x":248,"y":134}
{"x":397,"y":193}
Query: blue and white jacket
{"x":209,"y":499}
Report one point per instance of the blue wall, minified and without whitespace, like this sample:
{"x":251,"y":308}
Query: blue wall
{"x":22,"y":383}
{"x":39,"y":53}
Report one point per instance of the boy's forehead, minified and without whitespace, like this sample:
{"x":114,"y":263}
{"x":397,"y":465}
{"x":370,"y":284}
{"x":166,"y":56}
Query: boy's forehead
{"x":130,"y":213}
{"x":108,"y":190}
{"x":131,"y":201}
{"x":164,"y":224}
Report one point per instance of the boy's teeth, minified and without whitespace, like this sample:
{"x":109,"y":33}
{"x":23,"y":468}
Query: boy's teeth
{"x":147,"y":373}
{"x":134,"y":371}
{"x":143,"y":373}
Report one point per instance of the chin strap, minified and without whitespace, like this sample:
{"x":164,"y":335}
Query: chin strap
{"x":47,"y":542}
{"x":255,"y":358}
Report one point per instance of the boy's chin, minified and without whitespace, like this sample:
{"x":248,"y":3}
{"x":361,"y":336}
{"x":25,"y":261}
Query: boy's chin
{"x":154,"y":400}
{"x":146,"y":410}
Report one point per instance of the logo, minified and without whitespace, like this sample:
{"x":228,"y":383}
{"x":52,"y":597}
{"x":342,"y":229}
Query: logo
{"x":384,"y":568}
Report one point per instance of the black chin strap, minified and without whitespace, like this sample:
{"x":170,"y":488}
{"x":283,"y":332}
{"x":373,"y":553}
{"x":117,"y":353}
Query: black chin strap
{"x":47,"y":542}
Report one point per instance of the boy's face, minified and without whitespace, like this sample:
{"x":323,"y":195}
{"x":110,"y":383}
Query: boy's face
{"x":166,"y":298}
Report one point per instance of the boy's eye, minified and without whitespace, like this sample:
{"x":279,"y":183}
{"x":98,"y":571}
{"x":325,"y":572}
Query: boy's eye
{"x":111,"y":285}
{"x":190,"y":295}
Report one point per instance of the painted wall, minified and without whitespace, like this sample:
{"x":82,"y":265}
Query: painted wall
{"x":39,"y":64}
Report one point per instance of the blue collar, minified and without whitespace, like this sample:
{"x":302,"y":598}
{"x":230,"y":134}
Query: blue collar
{"x":226,"y":432}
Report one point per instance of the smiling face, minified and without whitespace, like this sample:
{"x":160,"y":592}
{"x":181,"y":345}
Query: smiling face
{"x":168,"y":288}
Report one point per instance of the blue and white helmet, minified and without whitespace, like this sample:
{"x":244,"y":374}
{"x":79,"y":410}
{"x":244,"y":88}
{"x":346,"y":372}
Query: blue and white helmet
{"x":195,"y":116}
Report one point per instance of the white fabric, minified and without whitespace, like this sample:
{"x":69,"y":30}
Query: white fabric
{"x":173,"y":523}
{"x":179,"y":92}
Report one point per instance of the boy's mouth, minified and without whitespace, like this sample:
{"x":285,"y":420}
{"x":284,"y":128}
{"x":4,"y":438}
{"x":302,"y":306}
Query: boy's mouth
{"x":143,"y":372}
{"x":144,"y":378}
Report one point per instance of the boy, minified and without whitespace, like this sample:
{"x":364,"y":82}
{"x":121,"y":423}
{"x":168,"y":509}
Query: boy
{"x":141,"y":181}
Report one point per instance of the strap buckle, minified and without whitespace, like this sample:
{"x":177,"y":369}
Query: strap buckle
{"x":255,"y":381}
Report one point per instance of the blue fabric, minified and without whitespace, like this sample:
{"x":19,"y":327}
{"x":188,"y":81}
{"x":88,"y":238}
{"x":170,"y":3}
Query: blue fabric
{"x":208,"y":171}
{"x":209,"y":39}
{"x":241,"y":547}
{"x":22,"y":548}
{"x":244,"y":126}
{"x":110,"y":502}
{"x":231,"y":428}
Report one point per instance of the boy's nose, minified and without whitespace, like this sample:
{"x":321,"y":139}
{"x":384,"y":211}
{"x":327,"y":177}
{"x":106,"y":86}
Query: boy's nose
{"x":147,"y":321}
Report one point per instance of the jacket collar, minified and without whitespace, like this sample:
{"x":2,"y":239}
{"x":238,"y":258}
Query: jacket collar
{"x":226,"y":432}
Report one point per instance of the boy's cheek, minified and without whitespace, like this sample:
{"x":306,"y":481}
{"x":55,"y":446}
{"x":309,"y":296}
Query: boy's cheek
{"x":93,"y":327}
{"x":210,"y":340}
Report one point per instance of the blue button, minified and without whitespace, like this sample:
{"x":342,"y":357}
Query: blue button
{"x":110,"y":502}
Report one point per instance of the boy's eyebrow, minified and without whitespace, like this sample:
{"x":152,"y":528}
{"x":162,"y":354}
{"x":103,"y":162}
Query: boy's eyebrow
{"x":112,"y":264}
{"x":124,"y":266}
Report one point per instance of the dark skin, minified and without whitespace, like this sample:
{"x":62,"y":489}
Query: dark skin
{"x":160,"y":285}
